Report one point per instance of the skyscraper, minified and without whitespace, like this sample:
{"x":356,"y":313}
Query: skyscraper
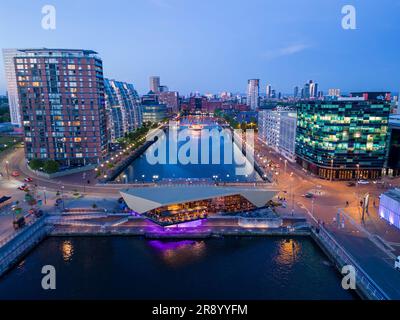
{"x":310,"y":90}
{"x":268,"y":91}
{"x":155,"y":84}
{"x":306,"y":93}
{"x":296,"y":91}
{"x":313,"y":89}
{"x":253,"y":92}
{"x":12,"y":90}
{"x":61,"y":94}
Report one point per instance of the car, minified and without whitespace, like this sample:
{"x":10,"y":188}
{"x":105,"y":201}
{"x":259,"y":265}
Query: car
{"x":28,"y":179}
{"x":22,"y":187}
{"x":363,"y":182}
{"x":351,"y":184}
{"x":308,"y":195}
{"x":15,"y":174}
{"x":397,"y":263}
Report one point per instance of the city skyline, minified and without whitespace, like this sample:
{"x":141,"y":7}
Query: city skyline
{"x":217,"y":54}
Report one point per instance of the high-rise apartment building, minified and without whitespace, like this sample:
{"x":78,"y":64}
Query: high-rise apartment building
{"x":61,"y":96}
{"x":123,"y":108}
{"x":253,"y":93}
{"x":343,"y":139}
{"x":12,"y":89}
{"x":155,"y":84}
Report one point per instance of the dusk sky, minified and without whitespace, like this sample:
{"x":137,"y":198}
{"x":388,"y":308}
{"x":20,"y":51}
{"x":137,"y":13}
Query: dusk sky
{"x":216,"y":45}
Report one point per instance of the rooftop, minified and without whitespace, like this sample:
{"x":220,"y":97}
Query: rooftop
{"x":56,"y":52}
{"x":394,"y":194}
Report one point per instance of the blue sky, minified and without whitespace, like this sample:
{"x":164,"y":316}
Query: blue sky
{"x":216,"y":45}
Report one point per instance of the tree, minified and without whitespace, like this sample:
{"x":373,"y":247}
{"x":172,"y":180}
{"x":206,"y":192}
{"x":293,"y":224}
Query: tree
{"x":51,"y":166}
{"x":36,"y":164}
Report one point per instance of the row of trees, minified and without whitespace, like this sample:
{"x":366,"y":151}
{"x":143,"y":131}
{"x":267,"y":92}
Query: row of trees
{"x":48,"y":166}
{"x":135,"y":136}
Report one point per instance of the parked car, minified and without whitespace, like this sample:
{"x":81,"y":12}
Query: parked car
{"x":15,"y":174}
{"x":19,"y":223}
{"x":363,"y":182}
{"x":397,"y":263}
{"x":28,"y":179}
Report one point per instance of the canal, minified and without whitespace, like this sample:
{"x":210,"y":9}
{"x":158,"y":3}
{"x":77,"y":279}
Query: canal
{"x":141,"y":170}
{"x":134,"y":268}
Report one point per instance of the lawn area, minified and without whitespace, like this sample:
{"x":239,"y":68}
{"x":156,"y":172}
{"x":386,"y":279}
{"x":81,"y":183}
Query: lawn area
{"x":8,"y":141}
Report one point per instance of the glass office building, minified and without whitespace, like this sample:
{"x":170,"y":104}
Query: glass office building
{"x":344,"y":139}
{"x":393,"y":159}
{"x":152,"y":110}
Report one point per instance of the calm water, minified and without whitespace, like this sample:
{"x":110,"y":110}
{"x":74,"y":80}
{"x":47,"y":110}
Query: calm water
{"x":133,"y":268}
{"x":141,"y":170}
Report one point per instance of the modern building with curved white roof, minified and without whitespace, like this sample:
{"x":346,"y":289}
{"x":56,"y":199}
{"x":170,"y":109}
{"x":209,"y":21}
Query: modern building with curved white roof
{"x":180,"y":203}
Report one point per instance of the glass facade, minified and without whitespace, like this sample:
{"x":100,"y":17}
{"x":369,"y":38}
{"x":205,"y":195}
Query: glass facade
{"x":342,"y":139}
{"x":200,"y":209}
{"x":152,"y":109}
{"x":123,"y":108}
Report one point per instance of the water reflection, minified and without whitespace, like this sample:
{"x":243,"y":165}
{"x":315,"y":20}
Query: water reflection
{"x":288,"y":252}
{"x":178,"y":253}
{"x":67,"y":250}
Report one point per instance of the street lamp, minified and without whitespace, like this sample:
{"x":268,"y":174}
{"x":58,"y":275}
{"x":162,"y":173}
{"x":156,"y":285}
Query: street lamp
{"x":44,"y":195}
{"x":358,"y":172}
{"x":8,"y":173}
{"x":62,"y":197}
{"x":285,"y":165}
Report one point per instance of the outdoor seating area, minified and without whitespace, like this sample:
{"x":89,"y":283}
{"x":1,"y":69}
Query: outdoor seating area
{"x":175,"y":216}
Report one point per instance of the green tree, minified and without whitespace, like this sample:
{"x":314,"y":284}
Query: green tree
{"x":36,"y":164}
{"x":51,"y":166}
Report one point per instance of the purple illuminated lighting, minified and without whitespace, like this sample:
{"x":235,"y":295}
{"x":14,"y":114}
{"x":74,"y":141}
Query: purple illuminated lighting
{"x":170,"y":245}
{"x":188,"y":224}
